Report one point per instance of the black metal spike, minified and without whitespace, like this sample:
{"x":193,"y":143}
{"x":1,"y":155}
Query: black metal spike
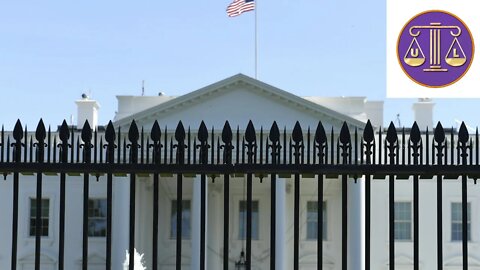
{"x":40,"y":133}
{"x":345,"y":134}
{"x":212,"y":142}
{"x":86,"y":132}
{"x":180,"y":132}
{"x":110,"y":133}
{"x":439,"y":133}
{"x":227,"y":140}
{"x":320,"y":135}
{"x":54,"y":150}
{"x":463,"y":133}
{"x":368,"y":135}
{"x":227,"y":133}
{"x":415,"y":137}
{"x":64,"y":132}
{"x":392,"y":136}
{"x":101,"y":152}
{"x":189,"y":145}
{"x":297,"y":134}
{"x":203,"y":139}
{"x":202,"y":133}
{"x":133,"y":134}
{"x":156,"y":132}
{"x":28,"y":149}
{"x":18,"y":131}
{"x":274,"y":135}
{"x":261,"y":146}
{"x":8,"y":154}
{"x":25,"y":149}
{"x":250,"y":135}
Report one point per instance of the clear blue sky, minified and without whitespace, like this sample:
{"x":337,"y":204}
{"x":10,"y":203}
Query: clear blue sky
{"x":53,"y":51}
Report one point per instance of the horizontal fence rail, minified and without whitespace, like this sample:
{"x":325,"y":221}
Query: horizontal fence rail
{"x":364,"y":153}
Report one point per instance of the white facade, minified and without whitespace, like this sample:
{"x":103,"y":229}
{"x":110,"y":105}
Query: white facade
{"x":239,"y":99}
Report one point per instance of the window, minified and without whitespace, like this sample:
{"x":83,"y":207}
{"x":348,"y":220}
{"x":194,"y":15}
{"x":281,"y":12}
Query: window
{"x":242,"y":232}
{"x":186,"y":214}
{"x":312,"y":220}
{"x":44,"y":217}
{"x":403,"y":220}
{"x":97,"y":217}
{"x":457,"y":221}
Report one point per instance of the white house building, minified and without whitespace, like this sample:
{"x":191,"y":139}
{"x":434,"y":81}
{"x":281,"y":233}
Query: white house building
{"x":239,"y":99}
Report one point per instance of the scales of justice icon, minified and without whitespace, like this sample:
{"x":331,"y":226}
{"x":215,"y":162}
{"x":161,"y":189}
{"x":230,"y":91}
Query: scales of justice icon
{"x":454,"y":57}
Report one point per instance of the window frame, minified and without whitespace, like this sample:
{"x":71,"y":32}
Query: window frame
{"x":469,"y":221}
{"x":325,"y":221}
{"x":258,"y":227}
{"x":403,"y":221}
{"x":97,"y":218}
{"x":171,"y":234}
{"x":30,"y":217}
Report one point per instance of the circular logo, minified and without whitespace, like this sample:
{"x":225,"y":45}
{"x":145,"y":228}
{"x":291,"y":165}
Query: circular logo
{"x":435,"y":48}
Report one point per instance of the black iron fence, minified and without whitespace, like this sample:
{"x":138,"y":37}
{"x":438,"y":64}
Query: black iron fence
{"x":350,"y":154}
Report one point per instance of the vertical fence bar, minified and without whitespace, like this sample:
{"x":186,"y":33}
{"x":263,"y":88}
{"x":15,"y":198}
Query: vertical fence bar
{"x":463,"y":138}
{"x":296,"y":220}
{"x":391,"y":145}
{"x":17,"y":158}
{"x":440,"y":147}
{"x":87,"y":146}
{"x":227,"y":159}
{"x":180,"y":159}
{"x":344,"y":142}
{"x":321,"y":145}
{"x":226,"y":218}
{"x":415,"y":142}
{"x":133,"y":137}
{"x":369,"y":144}
{"x":273,"y":214}
{"x":297,"y":138}
{"x":64,"y":136}
{"x":250,"y":138}
{"x":274,"y":138}
{"x":249,"y":222}
{"x":40,"y":153}
{"x":203,"y":138}
{"x":156,"y":135}
{"x":110,"y":158}
{"x":179,"y":222}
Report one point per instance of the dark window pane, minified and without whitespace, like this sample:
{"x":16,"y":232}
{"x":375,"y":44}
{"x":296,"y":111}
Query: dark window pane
{"x":44,"y":217}
{"x":186,"y":220}
{"x":456,"y":213}
{"x":403,"y":221}
{"x":97,"y":221}
{"x":243,"y":220}
{"x":312,"y":220}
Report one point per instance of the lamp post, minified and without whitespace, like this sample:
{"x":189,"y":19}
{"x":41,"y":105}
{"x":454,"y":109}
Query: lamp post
{"x":241,"y":264}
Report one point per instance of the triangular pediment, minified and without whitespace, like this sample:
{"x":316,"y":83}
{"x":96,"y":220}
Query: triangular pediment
{"x":239,"y":99}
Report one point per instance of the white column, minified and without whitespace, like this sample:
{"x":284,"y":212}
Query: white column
{"x":356,"y":225}
{"x":214,"y":227}
{"x":120,"y":222}
{"x":280,"y":240}
{"x":196,"y":200}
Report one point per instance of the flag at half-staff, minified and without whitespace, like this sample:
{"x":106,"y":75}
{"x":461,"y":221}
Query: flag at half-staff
{"x":238,"y":7}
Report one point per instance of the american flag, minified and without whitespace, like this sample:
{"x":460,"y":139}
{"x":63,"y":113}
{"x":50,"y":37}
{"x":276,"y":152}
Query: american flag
{"x":237,"y":7}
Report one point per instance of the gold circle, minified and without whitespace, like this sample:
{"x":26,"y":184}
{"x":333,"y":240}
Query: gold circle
{"x":459,"y":77}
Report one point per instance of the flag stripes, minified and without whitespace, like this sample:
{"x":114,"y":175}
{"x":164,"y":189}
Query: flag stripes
{"x":238,"y":7}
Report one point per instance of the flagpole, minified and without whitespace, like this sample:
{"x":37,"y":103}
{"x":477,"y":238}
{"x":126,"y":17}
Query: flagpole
{"x":256,"y":41}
